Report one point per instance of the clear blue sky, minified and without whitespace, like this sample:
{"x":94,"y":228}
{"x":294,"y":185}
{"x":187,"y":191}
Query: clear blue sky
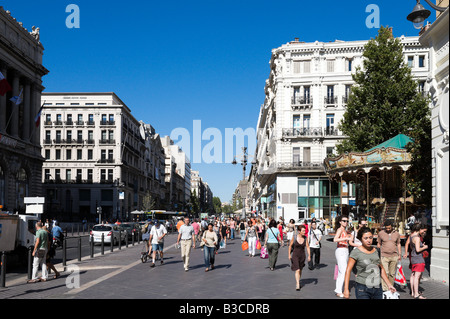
{"x":173,"y":62}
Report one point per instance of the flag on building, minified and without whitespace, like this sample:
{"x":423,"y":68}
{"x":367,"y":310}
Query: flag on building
{"x":4,"y":85}
{"x":17,"y":99}
{"x":37,"y":119}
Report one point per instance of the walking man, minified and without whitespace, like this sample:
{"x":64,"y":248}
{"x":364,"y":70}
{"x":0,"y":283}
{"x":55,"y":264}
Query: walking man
{"x":40,"y":254}
{"x":157,"y":234}
{"x":315,"y":236}
{"x":186,"y":235}
{"x":391,"y":251}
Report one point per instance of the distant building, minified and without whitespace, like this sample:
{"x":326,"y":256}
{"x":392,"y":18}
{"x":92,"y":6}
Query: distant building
{"x":20,"y":155}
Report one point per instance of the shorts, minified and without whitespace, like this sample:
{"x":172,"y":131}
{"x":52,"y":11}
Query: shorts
{"x":418,"y":267}
{"x":156,"y":247}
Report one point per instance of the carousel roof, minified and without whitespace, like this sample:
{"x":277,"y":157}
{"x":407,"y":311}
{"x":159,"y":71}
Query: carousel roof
{"x":400,"y":141}
{"x":390,"y":153}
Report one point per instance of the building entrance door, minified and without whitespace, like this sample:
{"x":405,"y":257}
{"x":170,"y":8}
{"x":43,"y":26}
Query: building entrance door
{"x":302,"y":212}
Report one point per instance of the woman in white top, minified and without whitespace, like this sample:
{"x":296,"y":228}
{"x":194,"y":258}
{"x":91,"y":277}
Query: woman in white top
{"x":210,"y":241}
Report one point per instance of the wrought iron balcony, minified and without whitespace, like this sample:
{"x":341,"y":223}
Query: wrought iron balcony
{"x":108,"y":141}
{"x":300,"y":165}
{"x":303,"y":132}
{"x":298,"y":101}
{"x":330,"y":100}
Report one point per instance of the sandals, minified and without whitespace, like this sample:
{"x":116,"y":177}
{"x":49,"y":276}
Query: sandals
{"x":206,"y":270}
{"x":420,"y":297}
{"x":34,"y":281}
{"x":340,"y":295}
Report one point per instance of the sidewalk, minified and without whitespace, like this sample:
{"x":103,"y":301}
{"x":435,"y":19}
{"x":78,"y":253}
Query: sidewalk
{"x":121,"y":275}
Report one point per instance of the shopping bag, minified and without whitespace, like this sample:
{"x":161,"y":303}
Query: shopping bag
{"x":244,"y":246}
{"x":222,"y":244}
{"x":336,"y":272}
{"x":400,"y":278}
{"x":264,"y":254}
{"x":258,"y":245}
{"x":391,"y":295}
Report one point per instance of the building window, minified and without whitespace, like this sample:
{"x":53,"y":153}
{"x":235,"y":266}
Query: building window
{"x":90,"y":154}
{"x":46,"y":174}
{"x":296,"y":155}
{"x":47,"y":154}
{"x":296,"y":67}
{"x":57,"y":174}
{"x":103,"y":175}
{"x":69,"y":136}
{"x":110,"y":154}
{"x":111,"y":118}
{"x":110,"y":175}
{"x":307,"y":67}
{"x":421,"y":61}
{"x":411,"y":61}
{"x":306,"y":121}
{"x":79,"y":155}
{"x":296,"y":121}
{"x":68,"y":175}
{"x":68,"y":154}
{"x":330,"y":123}
{"x":103,"y":155}
{"x":330,"y":151}
{"x":58,"y":155}
{"x":307,"y":155}
{"x":89,"y":174}
{"x":79,"y":175}
{"x":58,"y":136}
{"x":330,"y":66}
{"x":348,"y":65}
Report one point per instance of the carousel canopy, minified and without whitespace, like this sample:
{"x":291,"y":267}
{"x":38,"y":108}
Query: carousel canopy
{"x":388,"y":154}
{"x":400,"y":141}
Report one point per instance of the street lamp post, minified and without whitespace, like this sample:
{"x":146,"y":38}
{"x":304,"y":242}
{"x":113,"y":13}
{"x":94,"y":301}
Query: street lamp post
{"x":420,"y":14}
{"x":243,"y":184}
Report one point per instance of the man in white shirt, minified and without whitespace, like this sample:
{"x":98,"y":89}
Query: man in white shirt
{"x":157,"y":234}
{"x":315,"y":236}
{"x":186,"y":235}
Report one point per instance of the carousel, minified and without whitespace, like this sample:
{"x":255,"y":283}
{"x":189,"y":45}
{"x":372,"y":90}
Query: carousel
{"x":379,"y":176}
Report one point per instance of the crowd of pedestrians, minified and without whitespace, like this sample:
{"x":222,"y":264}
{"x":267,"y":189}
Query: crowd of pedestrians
{"x":374,"y":267}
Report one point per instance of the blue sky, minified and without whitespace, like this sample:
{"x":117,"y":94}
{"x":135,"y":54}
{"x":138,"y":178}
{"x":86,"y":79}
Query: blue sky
{"x":179,"y":61}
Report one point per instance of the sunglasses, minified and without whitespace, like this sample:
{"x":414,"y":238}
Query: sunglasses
{"x":344,"y":221}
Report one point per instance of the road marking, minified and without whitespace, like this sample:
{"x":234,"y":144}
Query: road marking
{"x":108,"y":276}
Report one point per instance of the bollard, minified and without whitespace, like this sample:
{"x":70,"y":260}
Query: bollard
{"x":30,"y":262}
{"x":103,"y":243}
{"x":92,"y":245}
{"x":126,"y":240}
{"x":64,"y":252}
{"x":78,"y":227}
{"x":3,"y":271}
{"x":132,"y":238}
{"x":112,"y":242}
{"x":79,"y":248}
{"x":139,"y":236}
{"x":120,"y":240}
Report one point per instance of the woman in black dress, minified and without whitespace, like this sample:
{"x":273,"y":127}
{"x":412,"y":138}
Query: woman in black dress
{"x":297,"y":253}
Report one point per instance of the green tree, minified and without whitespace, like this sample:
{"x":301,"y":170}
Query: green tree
{"x":195,"y":202}
{"x":385,"y":102}
{"x":217,"y":204}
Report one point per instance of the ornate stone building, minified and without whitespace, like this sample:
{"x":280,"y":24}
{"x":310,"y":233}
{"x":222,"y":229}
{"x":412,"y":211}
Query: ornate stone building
{"x":20,"y":155}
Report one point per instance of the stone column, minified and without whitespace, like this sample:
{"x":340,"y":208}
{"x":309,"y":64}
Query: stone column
{"x":14,"y":124}
{"x":36,"y":105}
{"x":26,"y":111}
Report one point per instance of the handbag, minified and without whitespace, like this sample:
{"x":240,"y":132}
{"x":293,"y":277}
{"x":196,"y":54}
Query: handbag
{"x":244,"y":246}
{"x":40,"y":253}
{"x":264,"y":254}
{"x":258,"y":245}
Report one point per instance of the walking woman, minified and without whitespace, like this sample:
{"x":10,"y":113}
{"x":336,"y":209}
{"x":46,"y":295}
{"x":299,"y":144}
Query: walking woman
{"x":223,"y":232}
{"x":290,"y":228}
{"x":297,"y":254}
{"x":341,"y":253}
{"x":369,"y":269}
{"x":251,"y":237}
{"x":210,"y":241}
{"x":272,"y":243}
{"x":417,"y":249}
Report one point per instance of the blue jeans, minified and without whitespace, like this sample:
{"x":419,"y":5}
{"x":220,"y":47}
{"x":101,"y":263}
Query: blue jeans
{"x":242,"y":235}
{"x":209,"y":254}
{"x":232,"y":233}
{"x":364,"y":292}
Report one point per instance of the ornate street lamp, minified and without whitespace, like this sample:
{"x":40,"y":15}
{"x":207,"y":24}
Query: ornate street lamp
{"x":420,"y":14}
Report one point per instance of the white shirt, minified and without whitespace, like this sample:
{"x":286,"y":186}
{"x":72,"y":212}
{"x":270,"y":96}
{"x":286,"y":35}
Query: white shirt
{"x":314,"y":243}
{"x":157,"y":232}
{"x":186,"y":231}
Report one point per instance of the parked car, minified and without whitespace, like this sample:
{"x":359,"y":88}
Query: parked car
{"x":128,"y":227}
{"x":112,"y":233}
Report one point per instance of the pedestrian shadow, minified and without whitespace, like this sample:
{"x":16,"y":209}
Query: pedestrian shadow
{"x":224,"y":252}
{"x":309,"y":281}
{"x":172,"y":262}
{"x":283,"y":266}
{"x":227,"y":266}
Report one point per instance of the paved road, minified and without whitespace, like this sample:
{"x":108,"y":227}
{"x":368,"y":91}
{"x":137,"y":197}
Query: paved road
{"x":121,"y":275}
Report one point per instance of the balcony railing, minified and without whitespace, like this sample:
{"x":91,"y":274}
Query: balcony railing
{"x":330,"y":100}
{"x":90,"y":123}
{"x":107,"y":141}
{"x":331,"y":131}
{"x":300,"y":165}
{"x":303,"y":132}
{"x":106,"y":123}
{"x":59,"y":123}
{"x":345,"y":99}
{"x":301,"y":102}
{"x":106,"y":161}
